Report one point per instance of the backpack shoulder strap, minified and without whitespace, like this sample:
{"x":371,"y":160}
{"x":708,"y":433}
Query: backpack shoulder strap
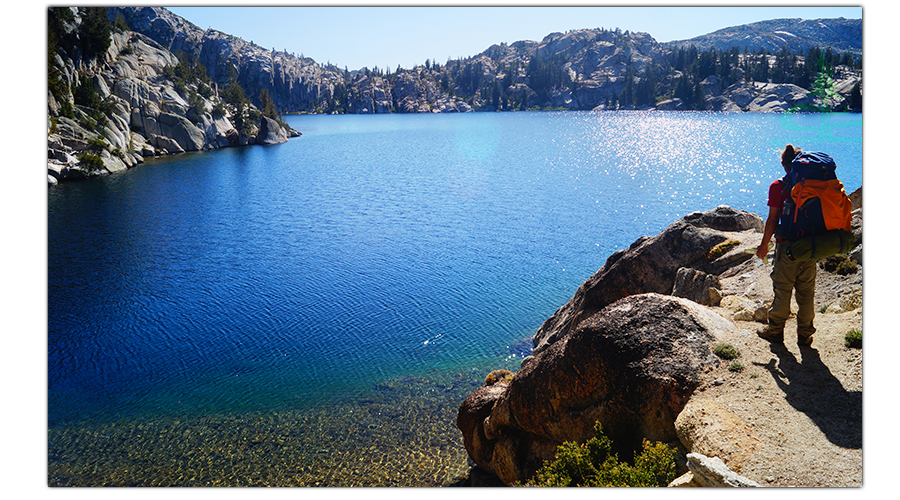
{"x":786,"y":186}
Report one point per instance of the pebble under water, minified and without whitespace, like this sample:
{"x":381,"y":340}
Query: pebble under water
{"x":400,"y":433}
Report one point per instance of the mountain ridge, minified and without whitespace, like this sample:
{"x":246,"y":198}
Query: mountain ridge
{"x":579,"y":69}
{"x":843,"y":35}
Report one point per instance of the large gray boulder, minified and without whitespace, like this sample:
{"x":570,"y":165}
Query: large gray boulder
{"x":632,"y":366}
{"x":779,"y":97}
{"x":270,"y":132}
{"x":697,"y":286}
{"x":178,"y":128}
{"x":651,"y":264}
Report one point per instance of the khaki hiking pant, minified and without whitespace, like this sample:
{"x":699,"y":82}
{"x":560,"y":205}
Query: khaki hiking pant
{"x":788,"y":276}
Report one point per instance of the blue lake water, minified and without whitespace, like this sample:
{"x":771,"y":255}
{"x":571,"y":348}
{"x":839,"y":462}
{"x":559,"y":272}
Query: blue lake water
{"x":289,"y":277}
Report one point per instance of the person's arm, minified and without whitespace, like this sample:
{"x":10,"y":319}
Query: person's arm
{"x":771,"y":224}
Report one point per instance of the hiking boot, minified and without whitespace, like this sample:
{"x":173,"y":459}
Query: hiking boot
{"x":804,"y":341}
{"x":770,"y":334}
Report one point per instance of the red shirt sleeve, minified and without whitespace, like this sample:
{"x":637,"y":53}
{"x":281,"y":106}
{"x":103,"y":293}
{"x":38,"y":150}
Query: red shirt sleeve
{"x":776,"y":194}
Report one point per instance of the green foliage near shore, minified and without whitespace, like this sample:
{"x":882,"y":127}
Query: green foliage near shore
{"x":593,"y":464}
{"x":853,"y":339}
{"x":498,"y":376}
{"x":90,"y":162}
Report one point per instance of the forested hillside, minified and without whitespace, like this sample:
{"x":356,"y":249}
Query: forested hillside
{"x":581,"y":69}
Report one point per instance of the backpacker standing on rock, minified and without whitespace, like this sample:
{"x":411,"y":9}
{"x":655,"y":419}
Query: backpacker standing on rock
{"x":809,"y":215}
{"x":787,"y":275}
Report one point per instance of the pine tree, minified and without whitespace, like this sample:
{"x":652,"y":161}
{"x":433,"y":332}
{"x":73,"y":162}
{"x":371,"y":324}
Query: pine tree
{"x":266,"y":104}
{"x":95,"y":31}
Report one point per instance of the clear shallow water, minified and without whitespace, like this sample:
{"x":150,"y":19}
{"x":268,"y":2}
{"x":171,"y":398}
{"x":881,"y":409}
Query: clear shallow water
{"x":301,"y":276}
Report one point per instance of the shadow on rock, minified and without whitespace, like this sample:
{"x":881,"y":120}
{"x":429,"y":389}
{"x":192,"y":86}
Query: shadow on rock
{"x":810,"y":387}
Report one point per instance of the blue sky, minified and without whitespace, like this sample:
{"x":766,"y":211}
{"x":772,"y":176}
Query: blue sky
{"x":388,"y":36}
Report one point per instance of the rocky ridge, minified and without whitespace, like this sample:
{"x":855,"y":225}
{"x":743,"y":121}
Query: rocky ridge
{"x":640,"y":359}
{"x":582,"y":69}
{"x":841,"y":34}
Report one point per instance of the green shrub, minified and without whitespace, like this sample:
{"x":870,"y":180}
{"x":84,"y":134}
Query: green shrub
{"x":196,"y":107}
{"x":839,"y":264}
{"x":735,"y":366}
{"x":593,"y":464}
{"x":721,"y":249}
{"x":85,"y":94}
{"x":180,"y":87}
{"x":119,"y":25}
{"x":853,"y":339}
{"x":726,"y":351}
{"x":90,"y":162}
{"x":204,"y":90}
{"x":218,"y":110}
{"x":94,"y":31}
{"x":97,"y":143}
{"x":496,"y":376}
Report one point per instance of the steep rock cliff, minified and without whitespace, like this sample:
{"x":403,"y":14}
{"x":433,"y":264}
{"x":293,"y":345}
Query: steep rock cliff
{"x":110,"y":110}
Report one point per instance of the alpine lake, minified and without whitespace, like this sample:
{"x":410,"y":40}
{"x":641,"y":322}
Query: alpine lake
{"x":313,"y":313}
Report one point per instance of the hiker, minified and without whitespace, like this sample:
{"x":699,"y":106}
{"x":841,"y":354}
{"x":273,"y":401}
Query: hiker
{"x":787,"y":275}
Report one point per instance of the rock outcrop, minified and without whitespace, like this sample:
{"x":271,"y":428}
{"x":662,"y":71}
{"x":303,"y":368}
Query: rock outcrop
{"x":771,"y":35}
{"x":295,"y":83}
{"x":622,"y":351}
{"x":632,"y":366}
{"x":711,"y":473}
{"x":628,"y":352}
{"x":651,"y":264}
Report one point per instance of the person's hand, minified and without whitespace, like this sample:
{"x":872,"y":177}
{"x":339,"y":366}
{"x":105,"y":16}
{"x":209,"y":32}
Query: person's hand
{"x":763,"y":250}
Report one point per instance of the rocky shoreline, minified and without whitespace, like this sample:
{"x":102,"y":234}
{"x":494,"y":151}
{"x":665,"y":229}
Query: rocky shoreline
{"x":147,"y":113}
{"x":633,"y":349}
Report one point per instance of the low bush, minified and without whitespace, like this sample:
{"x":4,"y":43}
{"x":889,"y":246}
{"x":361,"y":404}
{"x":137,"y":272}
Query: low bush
{"x":721,"y":249}
{"x":839,"y":264}
{"x":853,"y":339}
{"x":218,"y":110}
{"x":97,"y":143}
{"x":726,"y":351}
{"x":90,"y":162}
{"x":496,"y":376}
{"x":593,"y":464}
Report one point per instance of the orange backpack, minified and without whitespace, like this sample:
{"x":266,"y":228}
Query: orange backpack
{"x":817,"y":201}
